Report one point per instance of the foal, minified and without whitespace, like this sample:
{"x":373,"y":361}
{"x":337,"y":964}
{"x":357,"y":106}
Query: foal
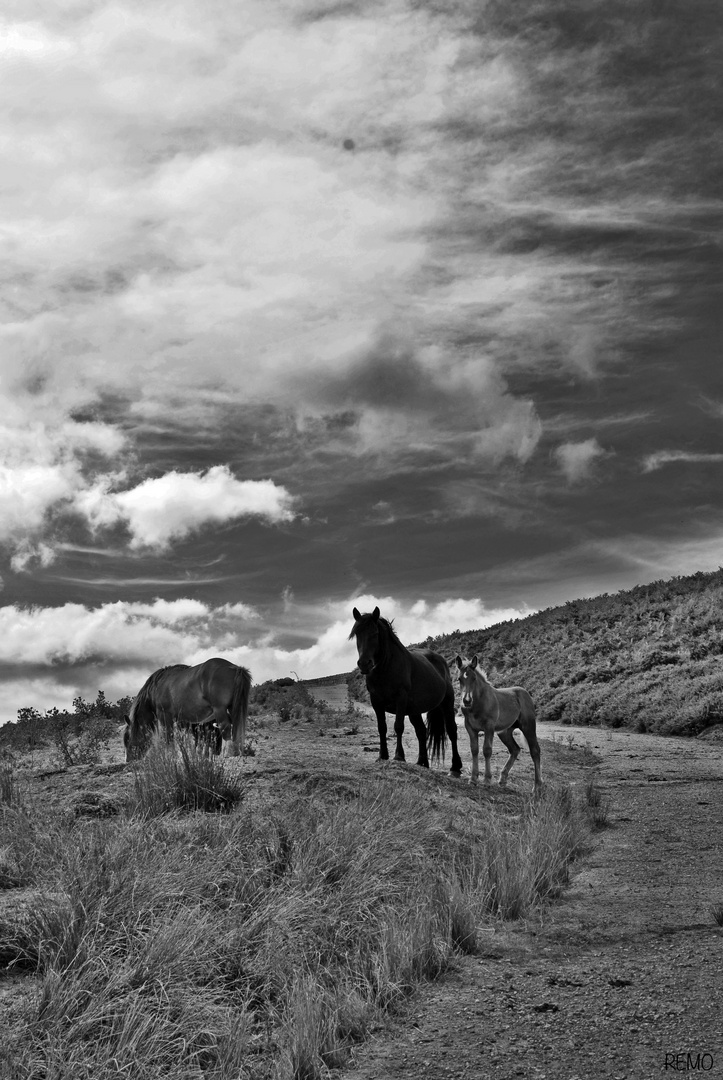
{"x":489,"y":710}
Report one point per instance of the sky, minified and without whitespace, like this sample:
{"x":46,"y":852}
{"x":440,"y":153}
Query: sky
{"x":309,"y":304}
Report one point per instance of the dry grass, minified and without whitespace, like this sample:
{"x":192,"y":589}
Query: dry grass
{"x":178,"y":776}
{"x":261,"y":944}
{"x":597,"y":805}
{"x":9,"y":795}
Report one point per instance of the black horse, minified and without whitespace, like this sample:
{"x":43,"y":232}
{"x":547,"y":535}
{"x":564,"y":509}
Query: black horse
{"x":406,"y":682}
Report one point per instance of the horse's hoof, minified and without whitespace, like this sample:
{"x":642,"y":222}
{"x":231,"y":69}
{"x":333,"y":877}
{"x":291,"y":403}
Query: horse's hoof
{"x":455,"y":772}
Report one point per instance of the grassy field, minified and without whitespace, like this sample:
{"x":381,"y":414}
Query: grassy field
{"x":208,"y":921}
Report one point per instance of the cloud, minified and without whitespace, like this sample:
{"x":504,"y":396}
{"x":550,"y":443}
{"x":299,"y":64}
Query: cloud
{"x":576,"y":459}
{"x":28,"y":554}
{"x":44,"y":465}
{"x":653,"y":558}
{"x":160,"y":632}
{"x":172,"y":506}
{"x":659,"y":458}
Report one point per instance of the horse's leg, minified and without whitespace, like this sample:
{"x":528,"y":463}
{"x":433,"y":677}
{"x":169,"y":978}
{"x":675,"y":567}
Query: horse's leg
{"x":421,"y":732}
{"x":474,"y":750}
{"x":399,"y":715}
{"x":450,"y":723}
{"x":535,"y":755}
{"x":382,"y":725}
{"x":399,"y":732}
{"x":218,"y":715}
{"x":527,"y":724}
{"x":487,"y":751}
{"x":508,"y":739}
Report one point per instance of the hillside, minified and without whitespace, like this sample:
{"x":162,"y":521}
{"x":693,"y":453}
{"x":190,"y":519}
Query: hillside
{"x":648,"y":658}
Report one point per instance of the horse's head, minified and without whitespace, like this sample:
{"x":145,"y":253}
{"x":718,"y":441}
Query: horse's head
{"x":469,"y":675}
{"x":137,"y":733}
{"x":366,"y":632}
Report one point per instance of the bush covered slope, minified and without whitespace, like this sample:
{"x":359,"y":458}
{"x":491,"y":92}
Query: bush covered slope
{"x":650,"y":658}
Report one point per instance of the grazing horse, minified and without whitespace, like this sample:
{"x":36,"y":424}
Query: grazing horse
{"x":489,"y":710}
{"x":406,"y":682}
{"x":215,"y":693}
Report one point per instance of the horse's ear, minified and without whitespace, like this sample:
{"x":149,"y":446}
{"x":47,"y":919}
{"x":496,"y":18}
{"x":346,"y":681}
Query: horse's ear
{"x":473,"y":661}
{"x":458,"y":661}
{"x":356,"y":614}
{"x":375,"y":614}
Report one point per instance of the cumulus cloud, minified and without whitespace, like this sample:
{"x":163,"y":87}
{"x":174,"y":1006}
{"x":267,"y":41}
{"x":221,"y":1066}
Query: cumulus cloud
{"x":659,"y":458}
{"x":160,"y":632}
{"x":577,"y":459}
{"x":172,"y":506}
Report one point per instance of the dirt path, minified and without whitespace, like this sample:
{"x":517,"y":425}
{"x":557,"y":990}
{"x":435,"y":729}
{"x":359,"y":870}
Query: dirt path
{"x":623,"y":978}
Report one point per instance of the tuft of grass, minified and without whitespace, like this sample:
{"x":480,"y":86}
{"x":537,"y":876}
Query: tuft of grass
{"x":597,"y":805}
{"x":529,"y":864}
{"x":178,"y":776}
{"x":717,"y":913}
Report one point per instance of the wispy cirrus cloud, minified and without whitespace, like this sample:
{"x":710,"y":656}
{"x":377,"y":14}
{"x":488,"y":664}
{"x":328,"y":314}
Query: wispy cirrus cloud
{"x":660,"y":458}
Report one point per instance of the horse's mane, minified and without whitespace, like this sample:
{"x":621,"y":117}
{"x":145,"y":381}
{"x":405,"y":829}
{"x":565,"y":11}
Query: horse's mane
{"x":388,"y":636}
{"x":144,"y":694}
{"x":480,"y":670}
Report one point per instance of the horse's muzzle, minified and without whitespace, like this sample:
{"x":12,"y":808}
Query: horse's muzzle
{"x":366,"y":667}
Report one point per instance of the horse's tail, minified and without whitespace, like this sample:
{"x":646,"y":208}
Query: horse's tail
{"x":239,"y":707}
{"x":436,"y":732}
